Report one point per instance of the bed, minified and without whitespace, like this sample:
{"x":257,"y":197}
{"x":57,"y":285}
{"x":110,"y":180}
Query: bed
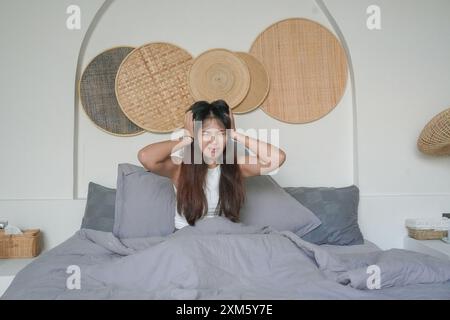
{"x":292,"y":243}
{"x":218,"y":259}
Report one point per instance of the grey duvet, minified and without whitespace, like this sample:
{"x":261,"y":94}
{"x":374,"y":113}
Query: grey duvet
{"x":219,"y":259}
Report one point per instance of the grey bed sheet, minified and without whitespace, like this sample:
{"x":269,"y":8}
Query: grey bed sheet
{"x":219,"y":259}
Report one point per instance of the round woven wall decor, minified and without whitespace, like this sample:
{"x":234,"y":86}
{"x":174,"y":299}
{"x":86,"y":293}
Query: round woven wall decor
{"x":307,"y":67}
{"x":219,"y":74}
{"x":151,"y":86}
{"x":98,"y":97}
{"x":435,"y":136}
{"x":259,"y":84}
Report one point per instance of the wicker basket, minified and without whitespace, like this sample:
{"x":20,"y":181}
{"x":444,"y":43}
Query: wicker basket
{"x":427,"y":234}
{"x":435,"y":136}
{"x":26,"y":245}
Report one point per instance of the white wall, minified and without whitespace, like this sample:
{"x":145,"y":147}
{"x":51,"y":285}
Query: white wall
{"x":48,"y":156}
{"x":402,"y":77}
{"x":38,"y":62}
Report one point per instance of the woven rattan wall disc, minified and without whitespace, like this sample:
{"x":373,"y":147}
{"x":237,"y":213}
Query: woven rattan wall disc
{"x":307,"y":67}
{"x":97,"y":93}
{"x":219,"y":74}
{"x":151,"y":86}
{"x":435,"y":136}
{"x":259,"y":84}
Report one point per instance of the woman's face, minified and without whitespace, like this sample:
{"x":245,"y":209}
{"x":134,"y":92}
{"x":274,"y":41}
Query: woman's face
{"x":212,"y":138}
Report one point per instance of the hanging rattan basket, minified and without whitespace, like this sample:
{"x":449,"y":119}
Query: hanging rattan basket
{"x":435,"y":136}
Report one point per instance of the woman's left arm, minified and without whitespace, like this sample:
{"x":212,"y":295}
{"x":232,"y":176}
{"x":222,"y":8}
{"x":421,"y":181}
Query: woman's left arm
{"x":268,"y":157}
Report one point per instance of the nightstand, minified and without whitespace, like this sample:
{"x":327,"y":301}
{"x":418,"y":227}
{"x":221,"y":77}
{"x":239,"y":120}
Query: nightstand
{"x":435,"y":248}
{"x":8,"y":270}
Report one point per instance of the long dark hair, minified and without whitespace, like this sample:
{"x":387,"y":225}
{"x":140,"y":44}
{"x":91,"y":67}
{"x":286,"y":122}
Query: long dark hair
{"x":191,"y":199}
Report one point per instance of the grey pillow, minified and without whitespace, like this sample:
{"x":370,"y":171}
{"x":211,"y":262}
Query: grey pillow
{"x":337,"y":208}
{"x":99,"y":210}
{"x":145,"y":203}
{"x":267,"y":204}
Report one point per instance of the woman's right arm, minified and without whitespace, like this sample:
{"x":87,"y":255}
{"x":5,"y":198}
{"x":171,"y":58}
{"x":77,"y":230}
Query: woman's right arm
{"x":156,"y":157}
{"x":159,"y":151}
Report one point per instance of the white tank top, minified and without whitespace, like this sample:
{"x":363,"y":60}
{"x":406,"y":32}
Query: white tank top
{"x":211,"y":193}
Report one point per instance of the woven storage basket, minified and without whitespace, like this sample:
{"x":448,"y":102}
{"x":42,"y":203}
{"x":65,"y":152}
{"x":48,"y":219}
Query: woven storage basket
{"x":426,"y":234}
{"x":26,"y":245}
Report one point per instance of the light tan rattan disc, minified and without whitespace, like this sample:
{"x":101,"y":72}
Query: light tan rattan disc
{"x":307,"y":67}
{"x":259,"y":84}
{"x":151,"y":86}
{"x":435,"y":136}
{"x":219,"y":74}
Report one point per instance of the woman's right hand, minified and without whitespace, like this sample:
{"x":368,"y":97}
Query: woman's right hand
{"x":189,"y":123}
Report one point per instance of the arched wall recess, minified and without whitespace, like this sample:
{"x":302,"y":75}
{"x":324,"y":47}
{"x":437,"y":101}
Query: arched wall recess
{"x":339,"y":33}
{"x":79,"y":70}
{"x":100,"y":13}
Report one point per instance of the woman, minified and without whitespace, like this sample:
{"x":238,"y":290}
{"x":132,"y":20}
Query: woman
{"x":208,"y":178}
